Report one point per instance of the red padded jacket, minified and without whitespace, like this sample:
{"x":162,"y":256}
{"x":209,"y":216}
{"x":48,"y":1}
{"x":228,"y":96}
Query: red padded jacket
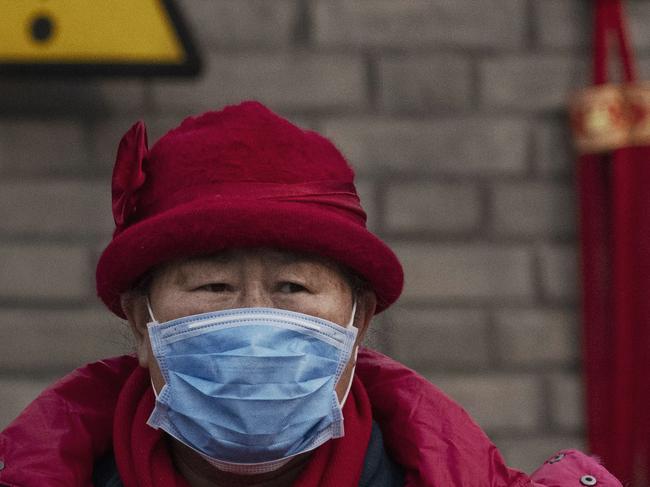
{"x":57,"y":438}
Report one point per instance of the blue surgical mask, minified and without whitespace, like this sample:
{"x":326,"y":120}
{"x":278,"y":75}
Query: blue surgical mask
{"x":249,"y":388}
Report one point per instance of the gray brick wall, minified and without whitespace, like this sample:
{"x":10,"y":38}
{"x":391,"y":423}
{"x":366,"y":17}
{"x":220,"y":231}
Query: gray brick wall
{"x":452,"y":114}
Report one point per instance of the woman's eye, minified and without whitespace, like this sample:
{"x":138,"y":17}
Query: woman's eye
{"x":215,"y":287}
{"x":292,"y":287}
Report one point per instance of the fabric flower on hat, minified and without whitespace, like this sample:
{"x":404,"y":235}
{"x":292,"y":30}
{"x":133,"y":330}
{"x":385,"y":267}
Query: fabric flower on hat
{"x":128,"y":175}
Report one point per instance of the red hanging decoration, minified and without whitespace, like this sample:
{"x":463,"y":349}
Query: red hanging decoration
{"x":612,"y":132}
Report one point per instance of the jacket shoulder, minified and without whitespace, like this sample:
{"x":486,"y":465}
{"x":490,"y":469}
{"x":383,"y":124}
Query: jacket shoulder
{"x":438,"y":443}
{"x":71,"y":419}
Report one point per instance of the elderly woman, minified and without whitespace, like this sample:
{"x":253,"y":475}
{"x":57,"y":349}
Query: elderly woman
{"x":243,"y":265}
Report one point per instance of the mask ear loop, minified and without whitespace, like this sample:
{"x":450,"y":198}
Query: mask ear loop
{"x":153,"y":319}
{"x":354,"y":311}
{"x":356,"y":352}
{"x":349,"y":388}
{"x":150,"y":310}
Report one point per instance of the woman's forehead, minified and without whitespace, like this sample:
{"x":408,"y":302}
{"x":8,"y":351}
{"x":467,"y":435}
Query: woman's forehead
{"x":267,"y":258}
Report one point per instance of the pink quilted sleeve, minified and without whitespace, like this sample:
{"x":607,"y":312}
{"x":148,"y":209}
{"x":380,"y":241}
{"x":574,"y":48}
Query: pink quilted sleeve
{"x":573,"y":468}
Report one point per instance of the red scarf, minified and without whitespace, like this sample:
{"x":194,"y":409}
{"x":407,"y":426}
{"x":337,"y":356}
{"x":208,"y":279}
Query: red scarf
{"x":143,"y":458}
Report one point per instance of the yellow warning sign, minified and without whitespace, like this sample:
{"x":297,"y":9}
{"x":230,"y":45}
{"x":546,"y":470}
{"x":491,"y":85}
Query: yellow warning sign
{"x":94,"y":36}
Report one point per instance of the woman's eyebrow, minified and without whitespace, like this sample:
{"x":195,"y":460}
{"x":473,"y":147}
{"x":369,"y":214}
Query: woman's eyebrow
{"x":184,"y":273}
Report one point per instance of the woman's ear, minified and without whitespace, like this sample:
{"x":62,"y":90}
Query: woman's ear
{"x":366,"y":304}
{"x":135,"y":309}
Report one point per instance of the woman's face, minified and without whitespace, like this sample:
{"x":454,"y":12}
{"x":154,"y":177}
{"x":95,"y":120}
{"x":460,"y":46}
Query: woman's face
{"x":247,"y":278}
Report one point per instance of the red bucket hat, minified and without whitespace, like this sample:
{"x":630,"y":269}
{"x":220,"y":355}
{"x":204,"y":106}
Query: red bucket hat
{"x":240,"y":177}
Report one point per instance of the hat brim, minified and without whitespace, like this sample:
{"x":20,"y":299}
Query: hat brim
{"x":206,"y":227}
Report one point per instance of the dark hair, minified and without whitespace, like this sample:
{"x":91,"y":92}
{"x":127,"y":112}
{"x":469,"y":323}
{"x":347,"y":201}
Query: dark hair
{"x":357,"y":283}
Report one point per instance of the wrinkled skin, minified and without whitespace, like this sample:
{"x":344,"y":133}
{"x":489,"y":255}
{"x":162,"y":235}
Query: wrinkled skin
{"x":238,"y":279}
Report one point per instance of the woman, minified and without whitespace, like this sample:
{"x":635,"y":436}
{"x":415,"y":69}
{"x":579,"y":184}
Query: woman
{"x":243,"y":265}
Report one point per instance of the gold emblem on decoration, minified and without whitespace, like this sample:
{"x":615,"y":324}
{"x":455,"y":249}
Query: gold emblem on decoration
{"x":607,"y":117}
{"x":639,"y":101}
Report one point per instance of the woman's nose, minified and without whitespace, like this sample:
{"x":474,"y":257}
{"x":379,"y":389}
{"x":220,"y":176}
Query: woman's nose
{"x":254,"y":296}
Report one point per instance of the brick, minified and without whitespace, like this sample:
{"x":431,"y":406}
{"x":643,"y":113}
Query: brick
{"x":638,"y":16}
{"x":105,"y":137}
{"x":421,"y":84}
{"x":553,"y":149}
{"x":451,"y":207}
{"x":559,"y":271}
{"x":562,"y":24}
{"x":534,"y":209}
{"x":42,"y":340}
{"x":459,"y":146}
{"x":95,"y":252}
{"x":16,"y":395}
{"x":39,"y":97}
{"x":531,"y":82}
{"x":465,"y":271}
{"x":290,"y":81}
{"x":528,"y":453}
{"x":121,"y":96}
{"x":567,"y":402}
{"x":379,"y":335}
{"x":56,"y":208}
{"x":537,"y":337}
{"x":497,"y":402}
{"x":224,"y":23}
{"x":42,"y":148}
{"x":83,"y":97}
{"x":385,"y":23}
{"x":44,"y":271}
{"x":439,"y":339}
{"x":643,"y":65}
